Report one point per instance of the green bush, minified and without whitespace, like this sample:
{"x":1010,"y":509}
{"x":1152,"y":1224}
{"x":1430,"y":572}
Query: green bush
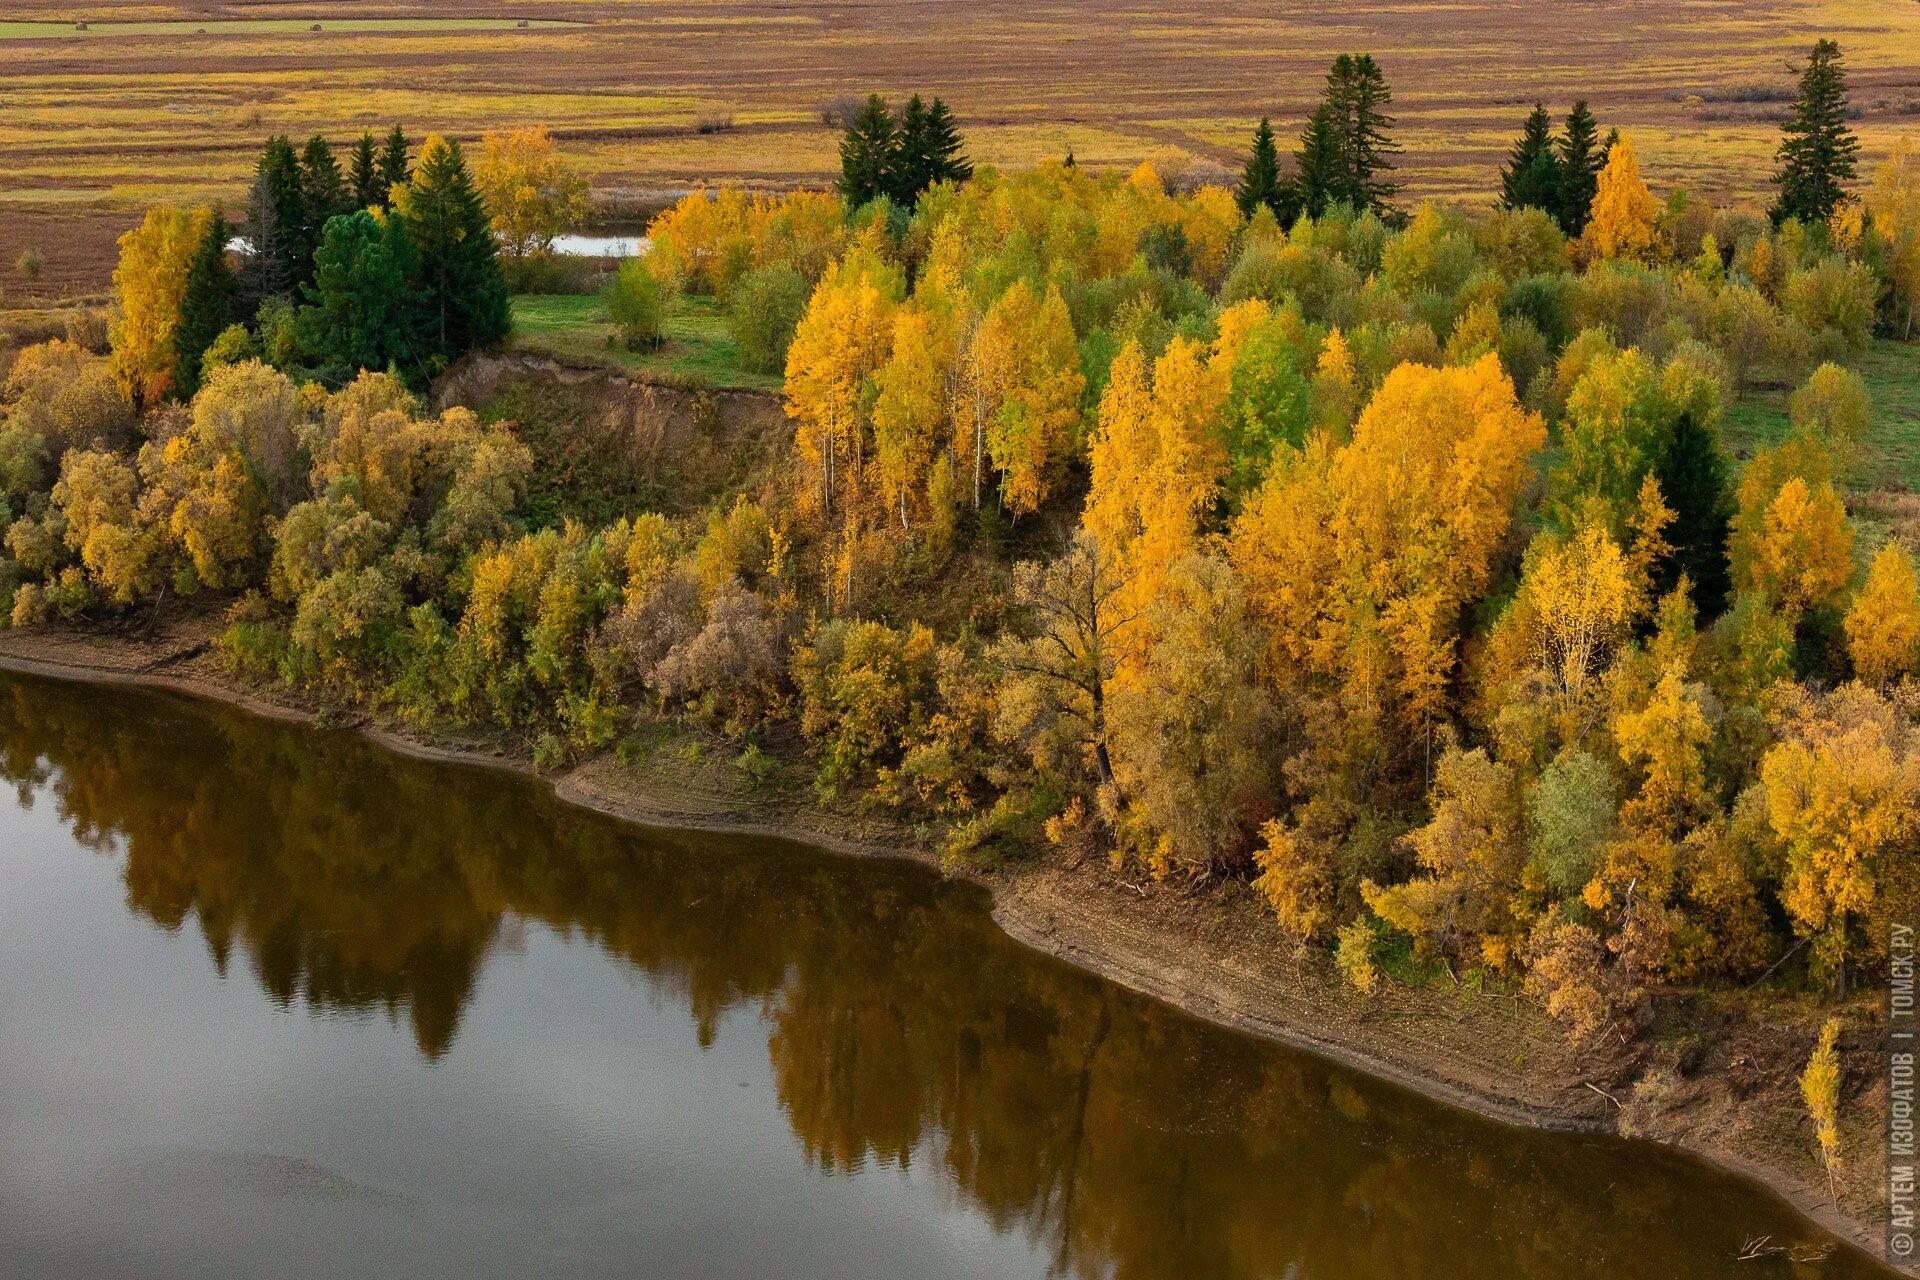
{"x":763,"y":310}
{"x":637,"y":304}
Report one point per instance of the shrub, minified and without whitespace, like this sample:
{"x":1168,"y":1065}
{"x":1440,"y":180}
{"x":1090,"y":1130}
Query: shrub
{"x":763,"y":310}
{"x":637,"y":304}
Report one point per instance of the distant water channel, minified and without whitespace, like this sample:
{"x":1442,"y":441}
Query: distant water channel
{"x":275,"y":1002}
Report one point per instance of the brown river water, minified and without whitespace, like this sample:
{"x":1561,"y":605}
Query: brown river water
{"x":276,"y":1002}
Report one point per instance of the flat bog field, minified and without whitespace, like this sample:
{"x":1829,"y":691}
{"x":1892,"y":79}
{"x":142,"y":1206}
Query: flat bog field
{"x":157,"y":102}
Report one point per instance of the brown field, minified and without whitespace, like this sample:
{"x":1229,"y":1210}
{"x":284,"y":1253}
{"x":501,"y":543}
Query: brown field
{"x":95,"y":125}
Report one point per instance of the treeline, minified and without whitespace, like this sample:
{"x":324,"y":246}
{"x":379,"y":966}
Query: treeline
{"x":1400,"y":571}
{"x":389,"y":266}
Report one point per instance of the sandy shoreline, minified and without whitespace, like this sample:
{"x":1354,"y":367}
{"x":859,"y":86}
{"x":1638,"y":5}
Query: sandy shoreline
{"x":1450,"y":1052}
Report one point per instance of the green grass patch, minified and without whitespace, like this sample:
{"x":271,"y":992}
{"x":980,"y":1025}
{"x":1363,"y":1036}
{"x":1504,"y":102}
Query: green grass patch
{"x":1890,"y":453}
{"x":697,"y":349}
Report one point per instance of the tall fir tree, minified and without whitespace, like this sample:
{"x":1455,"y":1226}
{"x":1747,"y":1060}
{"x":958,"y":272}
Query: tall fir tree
{"x":1692,"y":472}
{"x":323,"y":191}
{"x":1260,"y":180}
{"x":282,"y":253}
{"x":1317,"y":167}
{"x":368,"y":184}
{"x":396,"y":170}
{"x":1817,"y":152}
{"x":1532,"y":177}
{"x":912,"y":169}
{"x":945,"y":149}
{"x":867,"y":153}
{"x":206,"y":306}
{"x":462,"y":294}
{"x":1357,"y":94}
{"x":1581,"y":160}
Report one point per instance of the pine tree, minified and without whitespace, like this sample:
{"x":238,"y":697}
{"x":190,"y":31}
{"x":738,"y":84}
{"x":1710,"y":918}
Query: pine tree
{"x":323,"y":191}
{"x":1817,"y":154}
{"x":1317,"y":169}
{"x":277,"y":226}
{"x":912,"y":169}
{"x":368,"y":183}
{"x":395,"y":169}
{"x":946,"y":149}
{"x":1532,"y":177}
{"x":206,"y":308}
{"x":262,"y":269}
{"x":362,"y":312}
{"x":1692,"y":472}
{"x":867,"y":153}
{"x":463,"y":297}
{"x":1357,"y":94}
{"x":1260,"y":180}
{"x":1581,"y":159}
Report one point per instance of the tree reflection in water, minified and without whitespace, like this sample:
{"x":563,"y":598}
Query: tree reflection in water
{"x":903,"y":1028}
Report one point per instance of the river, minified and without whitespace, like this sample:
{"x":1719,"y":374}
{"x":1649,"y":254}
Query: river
{"x":277,"y":1002}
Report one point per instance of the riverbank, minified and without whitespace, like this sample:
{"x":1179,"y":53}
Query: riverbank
{"x":1711,"y":1074}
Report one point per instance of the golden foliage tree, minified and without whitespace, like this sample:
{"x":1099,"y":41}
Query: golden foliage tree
{"x":1036,"y":384}
{"x":909,"y":407}
{"x":1883,"y":626}
{"x":151,"y":281}
{"x":841,"y":342}
{"x":1360,"y":558}
{"x":1625,"y":218}
{"x":1820,"y":1089}
{"x":1842,"y":791}
{"x":532,"y":193}
{"x":1472,"y":852}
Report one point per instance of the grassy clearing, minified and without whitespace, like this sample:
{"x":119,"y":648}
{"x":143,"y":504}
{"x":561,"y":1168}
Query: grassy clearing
{"x":697,"y":347}
{"x":1890,"y":453}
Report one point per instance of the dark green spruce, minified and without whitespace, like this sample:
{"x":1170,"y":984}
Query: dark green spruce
{"x":1581,"y":159}
{"x":396,"y":170}
{"x":462,"y":295}
{"x":206,"y":307}
{"x":1817,"y":153}
{"x":1260,"y":180}
{"x":867,"y":153}
{"x":1692,"y":472}
{"x":368,"y":184}
{"x":1532,"y":178}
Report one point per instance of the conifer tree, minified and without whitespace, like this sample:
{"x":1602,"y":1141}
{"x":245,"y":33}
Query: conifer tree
{"x":369,"y":185}
{"x":1692,"y":472}
{"x":362,"y":312}
{"x":1317,"y":168}
{"x":1357,"y":95}
{"x":395,"y":169}
{"x":1532,"y":177}
{"x":323,"y":191}
{"x":947,"y":156}
{"x":282,"y":254}
{"x":1581,"y":159}
{"x":462,"y":295}
{"x":1817,"y":154}
{"x":1260,"y":181}
{"x":206,"y":308}
{"x":867,"y":153}
{"x":912,"y":169}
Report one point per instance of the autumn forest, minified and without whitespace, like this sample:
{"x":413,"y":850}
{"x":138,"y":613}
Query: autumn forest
{"x":1390,"y":560}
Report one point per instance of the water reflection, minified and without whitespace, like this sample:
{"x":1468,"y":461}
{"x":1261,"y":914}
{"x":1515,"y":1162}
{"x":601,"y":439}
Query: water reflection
{"x":902,"y":1029}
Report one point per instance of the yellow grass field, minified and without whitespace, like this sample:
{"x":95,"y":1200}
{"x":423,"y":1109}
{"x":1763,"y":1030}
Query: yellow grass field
{"x":96,"y":124}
